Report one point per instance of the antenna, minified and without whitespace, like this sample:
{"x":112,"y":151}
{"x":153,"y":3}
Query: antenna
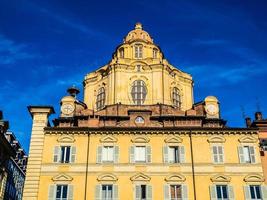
{"x":243,"y":112}
{"x":258,"y":104}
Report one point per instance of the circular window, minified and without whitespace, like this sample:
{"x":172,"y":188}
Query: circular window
{"x":139,"y":120}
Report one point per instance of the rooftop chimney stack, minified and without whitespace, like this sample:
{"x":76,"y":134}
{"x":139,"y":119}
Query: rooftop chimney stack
{"x":258,"y":116}
{"x":248,"y":122}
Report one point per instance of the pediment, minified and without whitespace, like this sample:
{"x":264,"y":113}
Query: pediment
{"x":62,"y":177}
{"x":175,"y":178}
{"x":108,"y":139}
{"x":107,"y":177}
{"x":220,"y":178}
{"x":66,"y":139}
{"x":248,"y":139}
{"x":216,"y":139}
{"x":173,"y":139}
{"x":140,"y":177}
{"x":254,"y":178}
{"x":140,"y":139}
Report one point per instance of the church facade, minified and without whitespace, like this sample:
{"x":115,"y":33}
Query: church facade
{"x":138,"y":135}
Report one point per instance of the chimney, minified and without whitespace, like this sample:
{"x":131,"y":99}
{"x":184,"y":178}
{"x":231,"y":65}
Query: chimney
{"x":248,"y":122}
{"x":258,"y":116}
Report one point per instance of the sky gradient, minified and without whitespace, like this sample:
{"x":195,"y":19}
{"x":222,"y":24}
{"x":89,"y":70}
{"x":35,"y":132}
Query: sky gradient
{"x":47,"y":46}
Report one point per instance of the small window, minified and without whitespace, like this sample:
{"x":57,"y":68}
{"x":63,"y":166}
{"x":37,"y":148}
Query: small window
{"x":65,"y":154}
{"x":138,"y":51}
{"x":108,"y":154}
{"x":217,"y":153}
{"x":155,"y":53}
{"x":61,"y":192}
{"x":255,"y":192}
{"x":139,"y":92}
{"x":106,"y":192}
{"x":176,"y":192}
{"x":139,"y":120}
{"x":121,"y":52}
{"x":100,"y":99}
{"x":176,"y":98}
{"x":222,"y":192}
{"x":140,"y":154}
{"x":138,"y":68}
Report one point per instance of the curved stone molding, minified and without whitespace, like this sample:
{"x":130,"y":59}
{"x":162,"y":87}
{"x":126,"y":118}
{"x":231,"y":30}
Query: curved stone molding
{"x":107,"y":177}
{"x":248,"y":139}
{"x":254,"y":178}
{"x":175,"y":178}
{"x":220,"y":178}
{"x":108,"y":139}
{"x":66,"y":139}
{"x":140,"y":139}
{"x":140,"y":177}
{"x":173,"y":139}
{"x":62,"y":178}
{"x":216,"y":139}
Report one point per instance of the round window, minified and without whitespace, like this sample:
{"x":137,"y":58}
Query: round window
{"x":139,"y":120}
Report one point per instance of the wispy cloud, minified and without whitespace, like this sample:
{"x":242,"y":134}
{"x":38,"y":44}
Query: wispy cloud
{"x":10,"y":51}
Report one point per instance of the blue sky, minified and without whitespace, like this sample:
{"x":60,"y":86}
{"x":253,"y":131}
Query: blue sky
{"x":47,"y":46}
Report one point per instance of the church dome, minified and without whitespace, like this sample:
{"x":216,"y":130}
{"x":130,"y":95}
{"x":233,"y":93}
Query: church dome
{"x":138,"y":34}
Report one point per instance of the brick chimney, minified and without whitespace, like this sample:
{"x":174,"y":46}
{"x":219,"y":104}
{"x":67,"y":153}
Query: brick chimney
{"x":248,"y":122}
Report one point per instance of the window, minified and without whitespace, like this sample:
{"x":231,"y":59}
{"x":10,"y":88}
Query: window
{"x":176,"y":99}
{"x":108,"y":154}
{"x":107,"y":192}
{"x":138,"y":51}
{"x":173,"y":154}
{"x":139,"y":92}
{"x":64,"y":154}
{"x":138,"y":68}
{"x":139,"y":120}
{"x":255,"y":192}
{"x":140,"y":154}
{"x":100,"y":99}
{"x":217,"y":154}
{"x":60,"y":192}
{"x":176,"y":192}
{"x":143,"y":192}
{"x":121,"y":52}
{"x":155,"y":53}
{"x":247,"y":154}
{"x":221,"y":192}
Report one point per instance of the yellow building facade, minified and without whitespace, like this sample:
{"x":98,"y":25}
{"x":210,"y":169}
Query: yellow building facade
{"x":139,"y":135}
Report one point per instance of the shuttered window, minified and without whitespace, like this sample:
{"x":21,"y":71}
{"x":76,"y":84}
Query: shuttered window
{"x":143,"y":192}
{"x":175,"y":192}
{"x":64,"y":154}
{"x":221,"y":192}
{"x":218,"y":154}
{"x":60,"y":192}
{"x":255,"y":192}
{"x":173,"y":154}
{"x":246,"y":154}
{"x":107,"y":154}
{"x":140,"y":154}
{"x":106,"y":192}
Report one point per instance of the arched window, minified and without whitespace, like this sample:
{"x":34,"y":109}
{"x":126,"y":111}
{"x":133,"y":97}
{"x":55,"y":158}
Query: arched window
{"x":176,"y":98}
{"x":100,"y":98}
{"x":138,"y":49}
{"x":155,"y":53}
{"x":139,"y":92}
{"x":121,"y":52}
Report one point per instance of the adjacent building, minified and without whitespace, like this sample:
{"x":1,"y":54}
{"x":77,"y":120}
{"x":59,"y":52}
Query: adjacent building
{"x":13,"y":161}
{"x":138,"y":134}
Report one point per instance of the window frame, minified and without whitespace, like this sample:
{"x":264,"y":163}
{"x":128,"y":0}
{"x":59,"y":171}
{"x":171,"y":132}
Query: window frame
{"x":65,"y":153}
{"x":255,"y":192}
{"x":121,"y":52}
{"x":218,"y":158}
{"x":176,"y":154}
{"x":61,"y":187}
{"x":144,"y":154}
{"x":176,"y":97}
{"x":107,"y":156}
{"x":139,"y":92}
{"x":138,"y":51}
{"x":100,"y":98}
{"x":176,"y":187}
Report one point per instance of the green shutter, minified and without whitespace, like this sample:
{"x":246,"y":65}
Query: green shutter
{"x":182,"y":154}
{"x":98,"y":192}
{"x":73,"y":154}
{"x":56,"y":154}
{"x":213,"y":194}
{"x":231,"y":192}
{"x":214,"y":154}
{"x":165,"y":154}
{"x":149,"y":192}
{"x":52,"y":192}
{"x":252,"y":154}
{"x":131,"y":152}
{"x":221,"y":154}
{"x":247,"y":192}
{"x":99,"y":154}
{"x":137,"y":192}
{"x":241,"y":154}
{"x":115,"y":194}
{"x":148,"y":154}
{"x":116,"y":154}
{"x":184,"y":192}
{"x":166,"y":192}
{"x":264,"y":192}
{"x":70,"y":192}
